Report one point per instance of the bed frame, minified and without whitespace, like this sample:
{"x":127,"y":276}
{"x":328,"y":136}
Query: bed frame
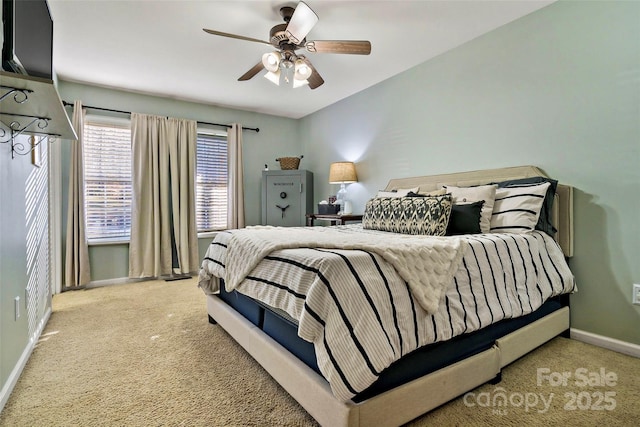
{"x":410,"y":400}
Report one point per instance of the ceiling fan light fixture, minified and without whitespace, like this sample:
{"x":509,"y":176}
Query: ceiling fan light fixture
{"x":271,"y":61}
{"x":302,"y":70}
{"x":299,"y":83}
{"x":273,"y":77}
{"x":286,"y":64}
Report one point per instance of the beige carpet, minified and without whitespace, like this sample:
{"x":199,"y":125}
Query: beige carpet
{"x":144,"y":354}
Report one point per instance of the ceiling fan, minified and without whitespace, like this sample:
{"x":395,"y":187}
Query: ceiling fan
{"x":285,"y":64}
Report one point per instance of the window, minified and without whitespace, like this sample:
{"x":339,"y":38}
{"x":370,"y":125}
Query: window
{"x":211,"y":183}
{"x":107,"y":180}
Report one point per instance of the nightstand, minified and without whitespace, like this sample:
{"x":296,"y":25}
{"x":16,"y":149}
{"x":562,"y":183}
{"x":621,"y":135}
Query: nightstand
{"x":334,"y":218}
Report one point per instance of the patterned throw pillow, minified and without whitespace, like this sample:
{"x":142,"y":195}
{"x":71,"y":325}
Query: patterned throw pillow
{"x":408,"y":215}
{"x":400,"y":192}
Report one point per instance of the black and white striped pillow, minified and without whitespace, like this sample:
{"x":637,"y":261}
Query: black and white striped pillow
{"x":516,"y":209}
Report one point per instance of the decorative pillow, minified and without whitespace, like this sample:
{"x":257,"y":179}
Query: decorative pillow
{"x":440,"y":192}
{"x":546,"y":213}
{"x":389,"y":194}
{"x":516,"y":209}
{"x":400,"y":192}
{"x":465,"y":218}
{"x":408,"y":215}
{"x":487,"y":193}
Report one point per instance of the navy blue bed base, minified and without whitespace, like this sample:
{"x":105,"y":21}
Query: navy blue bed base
{"x":416,"y":364}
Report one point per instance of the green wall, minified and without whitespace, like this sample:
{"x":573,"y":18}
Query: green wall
{"x":276,"y":137}
{"x":559,"y":89}
{"x":14,"y":333}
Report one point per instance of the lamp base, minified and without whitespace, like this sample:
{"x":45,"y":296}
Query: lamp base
{"x":341,"y":198}
{"x":348,"y":208}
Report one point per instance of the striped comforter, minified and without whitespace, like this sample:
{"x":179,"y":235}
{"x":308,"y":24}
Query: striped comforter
{"x":361,"y":316}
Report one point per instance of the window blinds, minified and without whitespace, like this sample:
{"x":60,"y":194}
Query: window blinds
{"x":107,"y":175}
{"x":211,"y":183}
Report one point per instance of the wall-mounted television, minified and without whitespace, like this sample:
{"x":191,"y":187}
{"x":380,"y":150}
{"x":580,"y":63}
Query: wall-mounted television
{"x":28,"y":38}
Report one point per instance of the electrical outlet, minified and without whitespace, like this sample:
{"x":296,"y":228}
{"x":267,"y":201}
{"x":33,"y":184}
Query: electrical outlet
{"x":636,"y":294}
{"x":16,"y":301}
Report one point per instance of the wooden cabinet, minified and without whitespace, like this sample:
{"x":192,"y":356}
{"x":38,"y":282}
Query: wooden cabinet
{"x":287,"y":197}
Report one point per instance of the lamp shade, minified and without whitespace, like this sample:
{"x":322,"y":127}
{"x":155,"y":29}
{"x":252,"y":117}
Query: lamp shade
{"x":273,"y":77}
{"x":302,"y":70}
{"x":342,"y":172}
{"x":271,"y":61}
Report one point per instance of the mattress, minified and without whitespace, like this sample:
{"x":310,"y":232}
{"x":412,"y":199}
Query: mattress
{"x":361,"y":316}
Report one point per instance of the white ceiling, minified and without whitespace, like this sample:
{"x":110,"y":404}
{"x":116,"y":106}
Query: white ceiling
{"x":158,"y":46}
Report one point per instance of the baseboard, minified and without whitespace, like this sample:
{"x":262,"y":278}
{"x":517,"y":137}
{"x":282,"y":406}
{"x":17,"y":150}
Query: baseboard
{"x":108,"y":282}
{"x":606,"y":342}
{"x":22,"y":362}
{"x":123,"y":280}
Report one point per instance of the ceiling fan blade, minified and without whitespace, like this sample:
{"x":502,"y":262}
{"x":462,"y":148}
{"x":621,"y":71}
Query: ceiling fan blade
{"x":234,"y":36}
{"x":357,"y":47}
{"x":315,"y":80}
{"x":252,"y":72}
{"x":302,"y":21}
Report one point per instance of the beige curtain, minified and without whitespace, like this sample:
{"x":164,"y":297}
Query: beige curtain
{"x":77,"y":270}
{"x":235,"y":189}
{"x":163,"y":220}
{"x":182,"y":162}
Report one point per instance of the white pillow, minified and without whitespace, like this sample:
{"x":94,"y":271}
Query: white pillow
{"x":400,"y":192}
{"x":487,"y":193}
{"x":440,"y":192}
{"x":517,"y":209}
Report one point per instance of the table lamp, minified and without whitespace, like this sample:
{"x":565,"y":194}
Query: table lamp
{"x":343,"y":173}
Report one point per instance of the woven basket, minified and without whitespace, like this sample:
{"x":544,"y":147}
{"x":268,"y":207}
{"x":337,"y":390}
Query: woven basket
{"x":289,"y":163}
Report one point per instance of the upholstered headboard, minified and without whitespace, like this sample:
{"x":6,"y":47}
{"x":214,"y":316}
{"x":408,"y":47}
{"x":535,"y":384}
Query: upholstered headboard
{"x":562,"y":206}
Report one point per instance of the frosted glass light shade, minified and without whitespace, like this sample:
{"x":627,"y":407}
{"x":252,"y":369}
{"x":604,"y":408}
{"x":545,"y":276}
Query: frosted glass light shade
{"x":273,"y":77}
{"x":299,"y":83}
{"x":271,"y":61}
{"x":303,"y":71}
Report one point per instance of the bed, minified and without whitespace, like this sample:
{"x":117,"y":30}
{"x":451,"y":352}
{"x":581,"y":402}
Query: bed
{"x":364,"y":332}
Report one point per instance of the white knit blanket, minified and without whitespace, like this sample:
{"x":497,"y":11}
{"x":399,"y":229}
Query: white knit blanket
{"x":426,"y":263}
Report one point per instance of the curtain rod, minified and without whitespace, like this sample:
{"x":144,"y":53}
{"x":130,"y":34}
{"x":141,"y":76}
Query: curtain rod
{"x":70,"y":104}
